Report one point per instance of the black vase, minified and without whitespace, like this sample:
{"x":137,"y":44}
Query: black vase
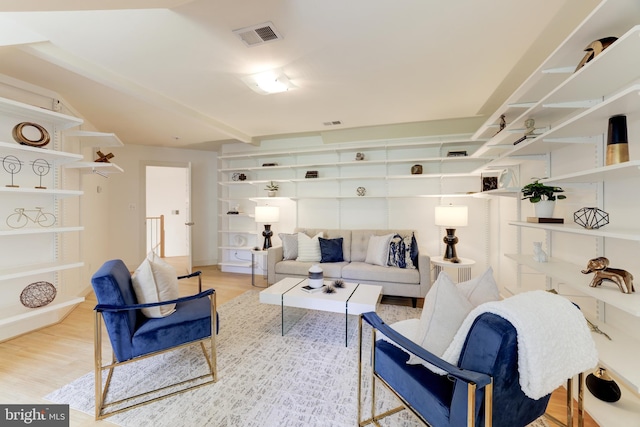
{"x":602,"y":386}
{"x":617,"y":142}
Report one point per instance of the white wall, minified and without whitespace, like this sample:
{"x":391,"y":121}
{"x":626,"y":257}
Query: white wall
{"x":126,"y":207}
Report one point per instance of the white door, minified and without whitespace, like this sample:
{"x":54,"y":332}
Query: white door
{"x":189,"y":220}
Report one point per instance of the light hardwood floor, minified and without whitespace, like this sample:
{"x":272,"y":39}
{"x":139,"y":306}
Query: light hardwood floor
{"x":35,"y":364}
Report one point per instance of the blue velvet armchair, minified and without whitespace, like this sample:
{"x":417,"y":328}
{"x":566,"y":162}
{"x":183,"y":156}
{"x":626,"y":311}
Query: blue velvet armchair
{"x":134,"y":336}
{"x":483,"y":390}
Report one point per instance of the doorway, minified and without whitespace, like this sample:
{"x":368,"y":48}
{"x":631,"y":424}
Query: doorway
{"x":168,"y":213}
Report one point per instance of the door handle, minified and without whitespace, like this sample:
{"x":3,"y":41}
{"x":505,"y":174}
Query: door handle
{"x":189,"y":223}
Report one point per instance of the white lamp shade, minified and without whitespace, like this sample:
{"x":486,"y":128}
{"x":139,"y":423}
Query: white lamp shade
{"x":267,"y":214}
{"x":451,"y":216}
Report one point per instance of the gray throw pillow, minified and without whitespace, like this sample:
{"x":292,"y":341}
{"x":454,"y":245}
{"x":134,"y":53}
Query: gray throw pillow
{"x":289,"y":245}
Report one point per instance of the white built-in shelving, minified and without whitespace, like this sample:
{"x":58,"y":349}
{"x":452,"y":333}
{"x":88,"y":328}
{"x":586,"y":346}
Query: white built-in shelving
{"x":385,"y":172}
{"x":571,"y":109}
{"x":34,"y":252}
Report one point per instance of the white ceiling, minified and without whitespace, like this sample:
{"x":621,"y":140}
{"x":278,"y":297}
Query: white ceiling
{"x":168,"y":72}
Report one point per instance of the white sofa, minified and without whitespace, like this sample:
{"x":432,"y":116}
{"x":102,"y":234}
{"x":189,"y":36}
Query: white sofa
{"x":404,"y":282}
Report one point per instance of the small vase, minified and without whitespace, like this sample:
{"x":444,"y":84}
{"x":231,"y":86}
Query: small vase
{"x":271,"y":193}
{"x":544,"y":208}
{"x":617,"y":142}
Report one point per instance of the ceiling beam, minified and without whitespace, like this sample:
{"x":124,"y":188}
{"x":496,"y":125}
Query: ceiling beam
{"x":50,"y":53}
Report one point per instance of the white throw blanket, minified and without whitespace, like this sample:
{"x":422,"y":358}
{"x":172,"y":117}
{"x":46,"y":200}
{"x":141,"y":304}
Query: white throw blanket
{"x":554,"y":340}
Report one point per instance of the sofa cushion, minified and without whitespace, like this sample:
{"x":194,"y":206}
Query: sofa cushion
{"x":308,"y":248}
{"x":378,"y":250}
{"x":331,"y":250}
{"x":289,"y":245}
{"x":297,"y":268}
{"x":361,"y":271}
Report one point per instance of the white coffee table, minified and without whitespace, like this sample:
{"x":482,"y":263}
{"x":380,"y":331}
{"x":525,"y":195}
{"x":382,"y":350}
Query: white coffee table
{"x":354,"y":298}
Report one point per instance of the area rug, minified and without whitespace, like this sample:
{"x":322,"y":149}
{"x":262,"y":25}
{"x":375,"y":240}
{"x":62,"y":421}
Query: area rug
{"x":307,"y":378}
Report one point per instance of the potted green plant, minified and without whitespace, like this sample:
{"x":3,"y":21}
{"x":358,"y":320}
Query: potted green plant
{"x":543,"y":197}
{"x":271,"y":188}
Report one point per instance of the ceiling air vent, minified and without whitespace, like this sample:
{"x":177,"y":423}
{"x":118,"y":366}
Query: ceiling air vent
{"x":258,"y":34}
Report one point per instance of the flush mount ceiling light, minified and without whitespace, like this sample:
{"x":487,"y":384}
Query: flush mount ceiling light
{"x":268,"y":82}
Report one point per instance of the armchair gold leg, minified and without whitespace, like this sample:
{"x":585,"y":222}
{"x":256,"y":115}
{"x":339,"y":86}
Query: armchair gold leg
{"x":471,"y":405}
{"x":97,"y":342}
{"x":488,"y":404}
{"x":569,"y":402}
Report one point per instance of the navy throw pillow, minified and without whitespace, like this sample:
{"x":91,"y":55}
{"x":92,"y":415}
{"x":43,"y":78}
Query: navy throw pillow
{"x":331,"y":250}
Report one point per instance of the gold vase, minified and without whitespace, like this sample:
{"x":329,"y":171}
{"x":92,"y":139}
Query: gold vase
{"x":617,"y":142}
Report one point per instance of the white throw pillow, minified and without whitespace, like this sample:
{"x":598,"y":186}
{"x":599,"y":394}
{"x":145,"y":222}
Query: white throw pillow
{"x":445,"y":308}
{"x":155,"y":281}
{"x":378,"y":250}
{"x":309,"y":248}
{"x":480,"y":289}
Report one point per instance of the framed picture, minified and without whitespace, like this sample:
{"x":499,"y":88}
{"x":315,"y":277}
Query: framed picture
{"x":489,"y":183}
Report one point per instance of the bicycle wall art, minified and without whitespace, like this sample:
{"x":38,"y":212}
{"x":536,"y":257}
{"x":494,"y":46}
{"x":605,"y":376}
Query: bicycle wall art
{"x":22,"y":216}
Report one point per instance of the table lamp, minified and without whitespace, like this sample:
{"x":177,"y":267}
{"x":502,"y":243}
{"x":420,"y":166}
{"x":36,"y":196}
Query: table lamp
{"x":267,"y":215}
{"x":450,"y":217}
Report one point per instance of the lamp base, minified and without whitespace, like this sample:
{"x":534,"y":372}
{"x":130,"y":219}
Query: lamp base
{"x":267,"y":233}
{"x":450,"y":251}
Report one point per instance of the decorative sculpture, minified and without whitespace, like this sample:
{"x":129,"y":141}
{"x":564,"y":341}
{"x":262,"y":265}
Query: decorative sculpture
{"x":103,"y":158}
{"x":41,"y":168}
{"x":600,"y":266}
{"x":13,"y":165}
{"x":21,"y":138}
{"x":594,"y":49}
{"x":591,"y":218}
{"x":538,"y":254}
{"x":38,"y":294}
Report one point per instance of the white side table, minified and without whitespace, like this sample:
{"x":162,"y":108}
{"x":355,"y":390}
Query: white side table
{"x":463,"y":267}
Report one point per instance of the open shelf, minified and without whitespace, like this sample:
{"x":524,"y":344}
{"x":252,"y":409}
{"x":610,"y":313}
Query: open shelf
{"x":39,"y":230}
{"x":20,"y":313}
{"x":45,"y":191}
{"x":586,"y":88}
{"x":31,"y":113}
{"x":96,"y":167}
{"x":25,"y":153}
{"x":31,"y":270}
{"x":95,"y":139}
{"x":605,"y":231}
{"x":569,"y":275}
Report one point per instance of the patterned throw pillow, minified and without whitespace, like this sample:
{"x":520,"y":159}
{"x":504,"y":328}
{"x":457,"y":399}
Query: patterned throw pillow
{"x":403,"y":251}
